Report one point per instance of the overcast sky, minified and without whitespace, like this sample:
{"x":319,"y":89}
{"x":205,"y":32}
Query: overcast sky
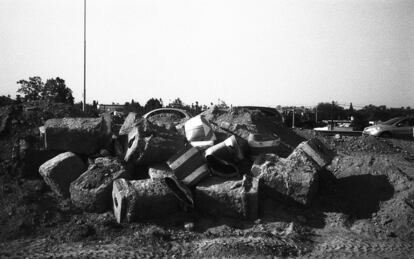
{"x":264,"y":52}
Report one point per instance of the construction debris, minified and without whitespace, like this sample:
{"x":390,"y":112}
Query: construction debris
{"x":129,"y":123}
{"x":142,"y":199}
{"x":79,"y":135}
{"x":199,"y":133}
{"x":160,"y":171}
{"x":295,"y":177}
{"x":259,"y":144}
{"x":244,"y":121}
{"x":151,"y":144}
{"x":189,"y":165}
{"x":92,"y":190}
{"x":317,"y":151}
{"x":60,"y":171}
{"x":231,"y":198}
{"x":222,"y":157}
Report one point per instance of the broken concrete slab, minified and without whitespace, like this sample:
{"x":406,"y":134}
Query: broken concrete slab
{"x":152,"y":144}
{"x":92,"y":190}
{"x":295,"y":177}
{"x":318,"y":151}
{"x":79,"y":135}
{"x":129,"y":123}
{"x":243,"y":121}
{"x":60,"y":171}
{"x":160,"y":171}
{"x":262,"y":144}
{"x":231,"y":198}
{"x":142,"y":199}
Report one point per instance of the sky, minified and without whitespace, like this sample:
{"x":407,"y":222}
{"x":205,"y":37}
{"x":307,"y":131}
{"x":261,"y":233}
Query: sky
{"x":256,"y":52}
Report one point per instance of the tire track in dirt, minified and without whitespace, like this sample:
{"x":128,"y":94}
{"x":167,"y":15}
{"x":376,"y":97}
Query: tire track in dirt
{"x":349,"y":246}
{"x":338,"y":246}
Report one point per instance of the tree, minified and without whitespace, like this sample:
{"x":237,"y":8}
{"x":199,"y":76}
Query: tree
{"x":55,"y":90}
{"x":351,"y":108}
{"x":152,"y":104}
{"x":328,"y":111}
{"x":177,"y":103}
{"x":31,"y":89}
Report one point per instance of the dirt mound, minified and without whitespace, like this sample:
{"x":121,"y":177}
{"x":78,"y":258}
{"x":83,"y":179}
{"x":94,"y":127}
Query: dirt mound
{"x":352,"y":144}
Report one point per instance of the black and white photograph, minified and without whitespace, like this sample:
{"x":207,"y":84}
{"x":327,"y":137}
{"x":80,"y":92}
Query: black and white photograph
{"x":207,"y":129}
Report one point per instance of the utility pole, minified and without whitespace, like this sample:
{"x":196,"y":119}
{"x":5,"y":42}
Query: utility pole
{"x":84,"y":55}
{"x":316,"y":114}
{"x":293,"y":118}
{"x":332,"y":115}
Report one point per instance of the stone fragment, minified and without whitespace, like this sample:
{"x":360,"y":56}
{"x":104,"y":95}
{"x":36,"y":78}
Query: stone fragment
{"x":129,"y":123}
{"x":142,"y":199}
{"x":315,"y":149}
{"x":160,"y":171}
{"x":92,"y":190}
{"x":60,"y":171}
{"x":79,"y":135}
{"x":295,"y":177}
{"x":230,"y":198}
{"x":152,"y":144}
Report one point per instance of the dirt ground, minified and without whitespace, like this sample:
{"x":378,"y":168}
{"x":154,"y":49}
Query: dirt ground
{"x":364,"y":209}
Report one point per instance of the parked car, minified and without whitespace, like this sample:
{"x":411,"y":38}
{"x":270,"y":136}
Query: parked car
{"x":395,"y":127}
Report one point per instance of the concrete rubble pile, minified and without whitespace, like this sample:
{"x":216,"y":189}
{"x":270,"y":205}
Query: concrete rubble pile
{"x":218,"y":163}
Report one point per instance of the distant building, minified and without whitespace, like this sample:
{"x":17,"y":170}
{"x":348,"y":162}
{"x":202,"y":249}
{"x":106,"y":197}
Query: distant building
{"x":112,"y":108}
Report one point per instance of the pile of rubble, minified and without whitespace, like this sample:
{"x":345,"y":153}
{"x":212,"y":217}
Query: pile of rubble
{"x":217,"y":162}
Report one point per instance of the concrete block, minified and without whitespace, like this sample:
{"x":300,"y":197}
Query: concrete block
{"x":142,"y":199}
{"x":160,"y":171}
{"x":92,"y":190}
{"x":295,"y":177}
{"x":60,"y":171}
{"x":229,"y":198}
{"x":315,"y":149}
{"x":79,"y":135}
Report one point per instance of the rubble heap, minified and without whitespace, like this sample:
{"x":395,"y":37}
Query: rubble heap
{"x":217,"y":163}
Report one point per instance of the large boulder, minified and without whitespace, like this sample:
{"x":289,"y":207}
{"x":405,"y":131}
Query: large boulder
{"x":92,"y":190}
{"x":295,"y":177}
{"x":230,"y":198}
{"x":151,"y":144}
{"x":79,"y":135}
{"x":142,"y":199}
{"x":60,"y":171}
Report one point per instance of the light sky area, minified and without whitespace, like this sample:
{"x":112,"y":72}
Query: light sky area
{"x":265,"y":52}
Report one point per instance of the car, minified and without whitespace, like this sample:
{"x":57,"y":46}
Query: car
{"x":395,"y":127}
